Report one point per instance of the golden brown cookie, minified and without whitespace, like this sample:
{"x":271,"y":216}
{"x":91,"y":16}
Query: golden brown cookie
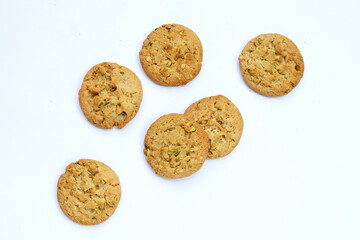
{"x":88,"y":192}
{"x":110,"y":95}
{"x":175,"y":146}
{"x":271,"y":64}
{"x":221,"y":120}
{"x":171,"y":55}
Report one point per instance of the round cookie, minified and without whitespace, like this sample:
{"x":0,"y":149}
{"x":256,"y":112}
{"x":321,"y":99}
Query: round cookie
{"x":88,"y":192}
{"x":221,"y":120}
{"x":110,"y":95}
{"x":175,"y":146}
{"x":171,"y":55}
{"x":271,"y":64}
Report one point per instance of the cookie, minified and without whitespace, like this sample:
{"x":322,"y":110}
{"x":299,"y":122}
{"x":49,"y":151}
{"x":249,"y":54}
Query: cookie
{"x":171,"y":55}
{"x":271,"y":64}
{"x":88,"y":192}
{"x":110,"y":95}
{"x":175,"y":146}
{"x":221,"y":120}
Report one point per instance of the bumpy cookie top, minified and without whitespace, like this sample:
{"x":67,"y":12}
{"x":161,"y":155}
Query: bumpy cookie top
{"x":175,"y":146}
{"x":271,"y":64}
{"x":88,"y":192}
{"x":171,"y":55}
{"x":221,"y":120}
{"x":110,"y":95}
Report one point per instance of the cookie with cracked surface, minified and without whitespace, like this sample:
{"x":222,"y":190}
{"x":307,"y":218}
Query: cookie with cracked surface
{"x":171,"y":55}
{"x":271,"y":64}
{"x":110,"y":95}
{"x":88,"y":192}
{"x":221,"y":120}
{"x":175,"y":146}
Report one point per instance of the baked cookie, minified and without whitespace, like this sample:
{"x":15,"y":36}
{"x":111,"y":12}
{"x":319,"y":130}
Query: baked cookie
{"x":175,"y":146}
{"x":171,"y":55}
{"x":271,"y":64}
{"x":110,"y":95}
{"x":88,"y":192}
{"x":221,"y":120}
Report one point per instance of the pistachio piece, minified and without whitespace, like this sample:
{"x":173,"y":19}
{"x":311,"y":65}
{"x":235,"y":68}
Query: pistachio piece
{"x":176,"y":152}
{"x":252,"y":67}
{"x":123,"y":115}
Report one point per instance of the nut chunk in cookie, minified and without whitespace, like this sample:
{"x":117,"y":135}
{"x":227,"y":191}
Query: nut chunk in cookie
{"x":221,"y":120}
{"x":110,"y":95}
{"x":88,"y":192}
{"x":175,"y":146}
{"x":271,"y":64}
{"x":171,"y":55}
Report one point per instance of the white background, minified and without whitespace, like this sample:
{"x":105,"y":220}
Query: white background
{"x":295,"y":174}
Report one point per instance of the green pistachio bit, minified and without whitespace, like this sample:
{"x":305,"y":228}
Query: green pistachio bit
{"x":123,"y":114}
{"x":252,"y":67}
{"x":176,"y":152}
{"x":192,"y":129}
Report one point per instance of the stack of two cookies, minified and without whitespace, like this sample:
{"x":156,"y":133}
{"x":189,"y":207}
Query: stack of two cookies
{"x":176,"y":145}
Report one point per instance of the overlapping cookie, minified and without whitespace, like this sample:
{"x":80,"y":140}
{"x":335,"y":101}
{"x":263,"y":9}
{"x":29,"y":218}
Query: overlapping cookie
{"x":221,"y":120}
{"x":175,"y":146}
